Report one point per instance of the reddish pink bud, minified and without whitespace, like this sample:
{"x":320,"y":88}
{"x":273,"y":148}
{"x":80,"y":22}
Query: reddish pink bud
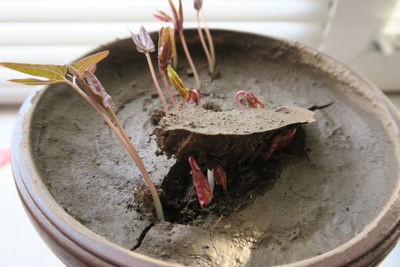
{"x":204,"y":192}
{"x":220,"y":177}
{"x":194,"y":96}
{"x":280,"y":141}
{"x":252,"y":100}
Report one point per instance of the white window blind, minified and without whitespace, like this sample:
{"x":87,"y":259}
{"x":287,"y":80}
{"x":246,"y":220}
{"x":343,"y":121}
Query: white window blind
{"x":58,"y":31}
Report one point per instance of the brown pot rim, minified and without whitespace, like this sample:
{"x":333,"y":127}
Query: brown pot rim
{"x":367,"y":247}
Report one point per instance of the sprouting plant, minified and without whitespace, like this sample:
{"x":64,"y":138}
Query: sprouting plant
{"x":178,"y":26}
{"x":161,"y":15}
{"x":165,"y":55}
{"x":80,"y":77}
{"x":185,"y":93}
{"x":208,"y":50}
{"x":144,"y":44}
{"x":252,"y":100}
{"x":203,"y":189}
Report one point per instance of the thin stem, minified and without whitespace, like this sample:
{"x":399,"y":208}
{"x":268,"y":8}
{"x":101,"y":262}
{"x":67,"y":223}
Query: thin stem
{"x":168,"y":89}
{"x":139,"y":163}
{"x":189,"y":58}
{"x":203,"y":43}
{"x":153,"y":75}
{"x":175,"y":57}
{"x":122,"y":136}
{"x":209,"y":37}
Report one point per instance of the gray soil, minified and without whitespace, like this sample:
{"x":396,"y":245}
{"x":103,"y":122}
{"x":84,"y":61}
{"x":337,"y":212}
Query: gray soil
{"x":318,"y":202}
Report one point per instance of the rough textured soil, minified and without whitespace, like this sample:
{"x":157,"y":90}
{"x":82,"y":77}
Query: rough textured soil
{"x":319,"y":198}
{"x":226,"y":137}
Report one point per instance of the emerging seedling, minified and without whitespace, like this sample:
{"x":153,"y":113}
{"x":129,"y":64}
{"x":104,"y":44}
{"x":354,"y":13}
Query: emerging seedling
{"x":203,"y":189}
{"x":185,"y":93}
{"x":178,"y":26}
{"x":220,"y":177}
{"x":165,"y":55}
{"x":280,"y":141}
{"x":161,"y":15}
{"x":252,"y":100}
{"x":208,"y":50}
{"x":144,"y":44}
{"x":80,"y":77}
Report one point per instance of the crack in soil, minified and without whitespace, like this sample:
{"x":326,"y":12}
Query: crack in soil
{"x":142,"y":236}
{"x":315,"y":107}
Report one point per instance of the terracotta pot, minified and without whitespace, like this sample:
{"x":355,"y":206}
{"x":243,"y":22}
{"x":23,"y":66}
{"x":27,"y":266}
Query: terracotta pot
{"x":76,"y":245}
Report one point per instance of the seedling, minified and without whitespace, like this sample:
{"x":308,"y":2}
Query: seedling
{"x":165,"y":55}
{"x":161,"y":15}
{"x":144,"y":44}
{"x":177,"y":20}
{"x":204,"y":192}
{"x":185,"y":93}
{"x":252,"y":100}
{"x":208,"y":50}
{"x":80,"y":77}
{"x":280,"y":141}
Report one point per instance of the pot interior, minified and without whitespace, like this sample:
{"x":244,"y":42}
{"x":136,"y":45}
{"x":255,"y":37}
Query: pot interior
{"x":323,"y":197}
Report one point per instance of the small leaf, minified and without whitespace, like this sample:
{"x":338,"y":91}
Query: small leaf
{"x":161,"y":15}
{"x":165,"y":49}
{"x":143,"y":41}
{"x":93,"y":88}
{"x":198,"y":4}
{"x":104,"y":99}
{"x":220,"y":177}
{"x":56,"y":72}
{"x":32,"y":81}
{"x":203,"y":189}
{"x":177,"y":83}
{"x":89,"y":63}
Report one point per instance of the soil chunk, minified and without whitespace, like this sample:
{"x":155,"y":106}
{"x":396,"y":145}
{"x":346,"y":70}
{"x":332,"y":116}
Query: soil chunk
{"x":226,"y":137}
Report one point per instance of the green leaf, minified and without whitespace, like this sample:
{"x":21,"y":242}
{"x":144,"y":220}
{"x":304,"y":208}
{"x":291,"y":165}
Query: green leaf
{"x":31,"y":81}
{"x":89,"y":63}
{"x":54,"y":72}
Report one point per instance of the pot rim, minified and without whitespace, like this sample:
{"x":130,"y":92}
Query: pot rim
{"x":362,"y":249}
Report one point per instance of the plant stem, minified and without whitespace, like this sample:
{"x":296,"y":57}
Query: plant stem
{"x":139,"y":163}
{"x":122,"y":136}
{"x":153,"y":75}
{"x":168,"y":89}
{"x":175,"y":57}
{"x":203,"y":43}
{"x":209,"y":38}
{"x":189,"y":58}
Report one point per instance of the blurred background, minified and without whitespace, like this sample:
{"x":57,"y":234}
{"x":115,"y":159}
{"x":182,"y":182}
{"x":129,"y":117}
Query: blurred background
{"x":364,"y":34}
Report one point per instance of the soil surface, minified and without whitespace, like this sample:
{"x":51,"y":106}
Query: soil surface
{"x":317,"y":194}
{"x":225,"y":138}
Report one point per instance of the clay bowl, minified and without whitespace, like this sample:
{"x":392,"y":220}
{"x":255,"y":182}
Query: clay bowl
{"x":335,"y":205}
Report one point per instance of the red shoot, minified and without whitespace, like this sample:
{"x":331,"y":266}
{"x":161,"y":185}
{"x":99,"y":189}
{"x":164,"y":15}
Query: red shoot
{"x":280,"y":141}
{"x":203,"y":189}
{"x":161,"y":15}
{"x":252,"y":100}
{"x":194,"y":96}
{"x":220,"y":177}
